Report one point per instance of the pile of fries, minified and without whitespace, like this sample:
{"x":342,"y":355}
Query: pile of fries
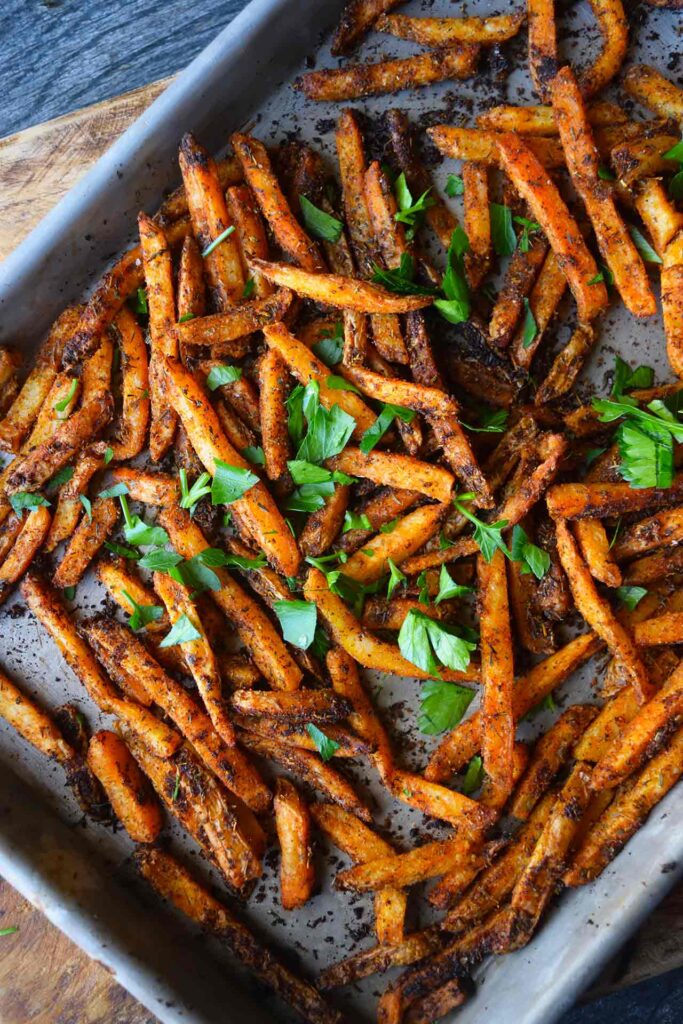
{"x":264,"y":438}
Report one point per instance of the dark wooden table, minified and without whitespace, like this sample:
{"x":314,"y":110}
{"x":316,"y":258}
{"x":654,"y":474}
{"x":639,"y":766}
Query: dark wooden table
{"x":57,"y":56}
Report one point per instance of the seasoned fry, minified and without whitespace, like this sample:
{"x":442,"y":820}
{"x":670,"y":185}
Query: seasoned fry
{"x":613,"y":25}
{"x":225,"y":333}
{"x":274,"y":386}
{"x":377,"y":959}
{"x":548,"y":208}
{"x":595,"y":549}
{"x":475,"y":144}
{"x":397,"y":471}
{"x":293,"y":824}
{"x":446,"y":31}
{"x":211,"y":221}
{"x":363,"y":718}
{"x":403,"y":869}
{"x":660,"y":530}
{"x":540,"y":120}
{"x":567,"y":365}
{"x":542,"y":45}
{"x":323,"y":526}
{"x":497,"y":671}
{"x":88,"y":538}
{"x":251,"y":231}
{"x":626,"y":813}
{"x":128,"y":790}
{"x":519,"y":279}
{"x":172,"y":881}
{"x":439,"y":802}
{"x":654,"y":91}
{"x":477,"y":221}
{"x":388,"y":76}
{"x":152,"y":488}
{"x":640,"y":158}
{"x":293,"y":735}
{"x":662,"y":629}
{"x":10,"y":361}
{"x":32,"y":534}
{"x":409,"y":534}
{"x":130,"y":432}
{"x":616,"y":244}
{"x":300,"y":707}
{"x":191,"y":288}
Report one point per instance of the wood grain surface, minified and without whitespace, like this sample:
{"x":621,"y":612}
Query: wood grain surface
{"x":44,"y":978}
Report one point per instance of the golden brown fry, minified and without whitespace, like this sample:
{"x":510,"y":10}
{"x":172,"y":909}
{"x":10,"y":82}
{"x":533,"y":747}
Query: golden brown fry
{"x":520,"y":275}
{"x":605,"y":500}
{"x":191,"y":288}
{"x":130,"y":432}
{"x":462,"y":743}
{"x":156,"y":258}
{"x":128,"y":790}
{"x":35,"y":390}
{"x":446,"y":31}
{"x":388,"y":76}
{"x":540,"y":120}
{"x":439,"y":802}
{"x":309,"y":768}
{"x":48,"y":609}
{"x":377,"y":959}
{"x":253,"y":626}
{"x":274,"y":387}
{"x":288,"y":233}
{"x":87,"y":539}
{"x":211,"y":220}
{"x":583,"y":162}
{"x":654,"y":91}
{"x":662,"y":529}
{"x":293,"y":824}
{"x":173,"y":882}
{"x":256,"y":507}
{"x":175,"y":205}
{"x":461,"y":548}
{"x":10,"y":361}
{"x":300,"y":707}
{"x":323,"y":526}
{"x":403,"y":869}
{"x":642,"y":157}
{"x":390,"y":613}
{"x":626,"y":813}
{"x":292,"y":735}
{"x":659,"y":215}
{"x":251,"y":231}
{"x":382,"y":508}
{"x":613,"y":25}
{"x":534,"y":632}
{"x":497,"y":670}
{"x":595,"y":549}
{"x":542,"y":45}
{"x":225,"y":333}
{"x":438,"y":1003}
{"x":477,"y":221}
{"x":479,"y":146}
{"x":642,"y":735}
{"x":672,"y":302}
{"x":411,"y":532}
{"x":567,"y":365}
{"x":549,"y":209}
{"x":662,"y":629}
{"x":34,"y":530}
{"x":397,"y":471}
{"x":153,"y":488}
{"x":363,"y":717}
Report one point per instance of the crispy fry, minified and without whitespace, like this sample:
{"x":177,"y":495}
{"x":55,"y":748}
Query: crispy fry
{"x":210,"y":220}
{"x":567,"y":365}
{"x":256,"y":507}
{"x":357,"y":18}
{"x":626,"y":813}
{"x":542,"y":45}
{"x":613,"y":25}
{"x":437,"y":1004}
{"x":672,"y":302}
{"x":128,"y":790}
{"x":292,"y":735}
{"x":380,"y":958}
{"x":172,"y":881}
{"x":401,"y":472}
{"x":410,"y":533}
{"x":175,"y":205}
{"x":662,"y":629}
{"x":660,"y":530}
{"x":659,"y":215}
{"x":595,"y":549}
{"x":88,"y":538}
{"x":323,"y":526}
{"x":446,"y":31}
{"x":130,"y":432}
{"x":300,"y":707}
{"x":477,"y":221}
{"x":293,"y":824}
{"x":385,"y":613}
{"x":540,"y":120}
{"x":274,"y":387}
{"x":10,"y":361}
{"x":403,"y":869}
{"x":497,"y":671}
{"x":363,"y":717}
{"x":225,"y":333}
{"x":519,"y":278}
{"x":604,"y":500}
{"x":251,"y":231}
{"x":616,"y":244}
{"x":388,"y":76}
{"x":640,"y":158}
{"x":34,"y":530}
{"x":153,"y":488}
{"x":191,"y":288}
{"x":535,"y":632}
{"x":384,"y":506}
{"x":440,"y":802}
{"x":479,"y":146}
{"x":156,"y":259}
{"x":560,"y":228}
{"x":47,"y":608}
{"x":654,"y":91}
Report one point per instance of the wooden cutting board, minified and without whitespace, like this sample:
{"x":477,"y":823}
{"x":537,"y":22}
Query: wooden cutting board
{"x":44,"y":977}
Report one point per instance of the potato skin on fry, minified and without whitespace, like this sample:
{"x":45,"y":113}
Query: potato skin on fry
{"x":293,"y":824}
{"x":128,"y":790}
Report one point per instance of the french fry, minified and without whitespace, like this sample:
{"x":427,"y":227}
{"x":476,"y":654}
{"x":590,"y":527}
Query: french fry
{"x":441,"y":411}
{"x":490,"y":889}
{"x":598,"y":614}
{"x":173,"y":882}
{"x":438,"y":1003}
{"x":567,"y":365}
{"x":360,"y":843}
{"x":345,"y":630}
{"x":33,"y":532}
{"x":128,"y":790}
{"x":363,"y":717}
{"x":156,"y":259}
{"x":309,"y":768}
{"x":381,"y":508}
{"x":613,"y":25}
{"x":659,"y":215}
{"x":401,"y":870}
{"x":288,"y":233}
{"x":292,"y":735}
{"x":595,"y":549}
{"x":626,"y":813}
{"x":540,"y":120}
{"x":605,"y":500}
{"x":461,"y":548}
{"x":10,"y":361}
{"x":87,"y":539}
{"x":306,"y":367}
{"x":385,"y":613}
{"x":344,"y":292}
{"x":640,"y":158}
{"x":197,"y":653}
{"x":616,"y":244}
{"x":497,"y":671}
{"x":274,"y":386}
{"x":293,"y":824}
{"x":610,"y":723}
{"x":439,"y":802}
{"x":660,"y":530}
{"x":643,"y":733}
{"x":242,"y":396}
{"x":377,"y":959}
{"x":210,"y":221}
{"x":175,"y":205}
{"x":357,"y":18}
{"x":323,"y":526}
{"x":9,"y":531}
{"x":114,"y":575}
{"x":654,"y":91}
{"x":151,"y":488}
{"x":519,"y":279}
{"x":535,"y":632}
{"x":542,"y":45}
{"x":300,"y":707}
{"x":483,"y":147}
{"x":225,"y":333}
{"x":410,"y":533}
{"x":477,"y":221}
{"x":130,"y":432}
{"x":672,"y":302}
{"x":551,"y":751}
{"x":47,"y":608}
{"x":464,"y":742}
{"x":446,"y":31}
{"x":253,"y":626}
{"x":662,"y":629}
{"x":400,"y":472}
{"x":260,"y":512}
{"x":35,"y":390}
{"x":251,"y":231}
{"x":191,"y":288}
{"x":548,"y":208}
{"x":454,"y":62}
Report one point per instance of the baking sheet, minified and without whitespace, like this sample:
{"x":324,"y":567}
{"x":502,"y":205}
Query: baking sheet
{"x":243,"y":79}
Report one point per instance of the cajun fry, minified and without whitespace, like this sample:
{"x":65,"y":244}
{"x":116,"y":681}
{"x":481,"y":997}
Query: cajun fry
{"x":127,"y":788}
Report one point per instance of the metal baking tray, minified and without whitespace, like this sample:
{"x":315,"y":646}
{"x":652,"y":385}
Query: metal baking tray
{"x":80,"y":875}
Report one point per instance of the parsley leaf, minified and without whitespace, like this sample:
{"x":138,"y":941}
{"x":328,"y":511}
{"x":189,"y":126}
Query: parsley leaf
{"x":308,"y":473}
{"x":423,"y":640}
{"x":254,"y":454}
{"x":341,"y":384}
{"x":62,"y":476}
{"x":390,"y":526}
{"x":529,"y":327}
{"x":328,"y":430}
{"x":325,"y":746}
{"x":183,"y":631}
{"x":143,"y":614}
{"x":331,"y":346}
{"x":249,"y":288}
{"x":115,"y":491}
{"x":643,"y":246}
{"x":222,"y":374}
{"x":230,"y":483}
{"x":676,"y":185}
{"x":631,"y":596}
{"x":140,"y":305}
{"x":410,"y":212}
{"x":298,"y":621}
{"x":492,"y":421}
{"x":21,"y":500}
{"x":217,"y":241}
{"x":532,"y":558}
{"x":401,"y":279}
{"x":645,"y":439}
{"x":625,"y":378}
{"x":455,"y":186}
{"x":374,"y":434}
{"x":456,"y":306}
{"x":318,"y":223}
{"x":356,"y":521}
{"x":121,"y":550}
{"x":448,"y":588}
{"x":474,"y":776}
{"x":604,"y":274}
{"x":675,"y":153}
{"x":502,"y":232}
{"x":396,"y":577}
{"x":527,"y":227}
{"x":87,"y":505}
{"x":442,"y":706}
{"x":63,"y":403}
{"x":488,"y":536}
{"x":160,"y":560}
